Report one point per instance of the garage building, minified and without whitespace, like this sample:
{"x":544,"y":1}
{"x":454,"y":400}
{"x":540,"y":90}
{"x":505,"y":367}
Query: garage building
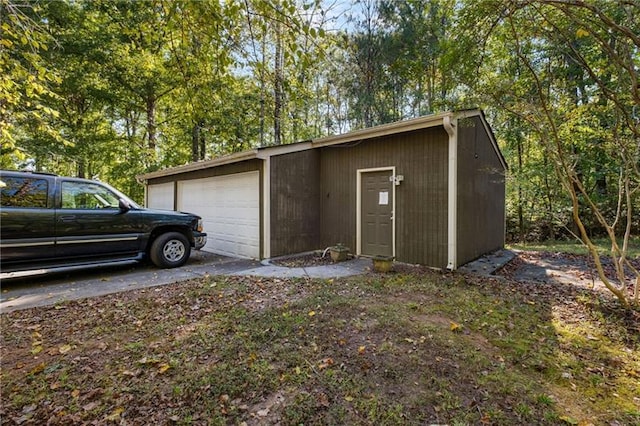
{"x":428,"y":191}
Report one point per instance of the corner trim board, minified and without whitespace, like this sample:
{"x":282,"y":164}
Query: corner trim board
{"x":452,"y":193}
{"x":266,"y":206}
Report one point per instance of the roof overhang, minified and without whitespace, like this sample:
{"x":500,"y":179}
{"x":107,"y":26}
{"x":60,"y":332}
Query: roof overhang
{"x":383,"y":130}
{"x":369,"y":133}
{"x":199,"y":165}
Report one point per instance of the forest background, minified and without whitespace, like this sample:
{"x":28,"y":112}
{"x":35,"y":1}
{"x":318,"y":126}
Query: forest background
{"x":112,"y":89}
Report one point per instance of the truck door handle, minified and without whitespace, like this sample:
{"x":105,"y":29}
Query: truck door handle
{"x":68,"y":218}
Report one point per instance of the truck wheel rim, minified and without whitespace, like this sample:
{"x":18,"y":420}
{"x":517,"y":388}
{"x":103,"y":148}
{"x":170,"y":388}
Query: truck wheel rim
{"x":173,"y":250}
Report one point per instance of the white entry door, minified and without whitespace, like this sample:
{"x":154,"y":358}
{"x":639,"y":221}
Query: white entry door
{"x":230,"y":208}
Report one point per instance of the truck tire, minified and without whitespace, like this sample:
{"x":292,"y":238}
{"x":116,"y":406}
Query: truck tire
{"x":170,"y":250}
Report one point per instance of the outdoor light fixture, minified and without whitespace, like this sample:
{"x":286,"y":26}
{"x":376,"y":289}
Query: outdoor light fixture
{"x":396,"y":179}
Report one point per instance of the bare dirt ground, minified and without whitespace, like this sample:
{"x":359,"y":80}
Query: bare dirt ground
{"x":562,"y":268}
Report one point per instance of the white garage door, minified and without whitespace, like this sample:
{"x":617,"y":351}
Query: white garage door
{"x":229,"y":206}
{"x":160,"y":196}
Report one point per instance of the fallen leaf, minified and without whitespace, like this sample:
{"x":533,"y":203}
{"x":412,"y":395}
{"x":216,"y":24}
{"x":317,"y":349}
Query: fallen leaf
{"x":362,"y":349}
{"x":455,"y":327}
{"x":29,"y":408}
{"x":75,"y":393}
{"x":312,"y":313}
{"x":322,"y":400}
{"x":569,"y":420}
{"x":327,"y":362}
{"x":90,"y":406}
{"x":348,"y":398}
{"x":146,"y":360}
{"x":37,"y":369}
{"x":64,"y":349}
{"x":163,"y":367}
{"x":115,"y":415}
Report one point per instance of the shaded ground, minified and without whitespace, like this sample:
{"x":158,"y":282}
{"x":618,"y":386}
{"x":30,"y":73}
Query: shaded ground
{"x":564,"y":268}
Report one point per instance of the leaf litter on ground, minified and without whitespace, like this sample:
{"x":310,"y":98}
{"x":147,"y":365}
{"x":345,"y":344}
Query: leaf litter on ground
{"x":411,"y":347}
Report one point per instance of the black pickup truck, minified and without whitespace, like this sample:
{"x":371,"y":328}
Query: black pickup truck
{"x":48,"y":221}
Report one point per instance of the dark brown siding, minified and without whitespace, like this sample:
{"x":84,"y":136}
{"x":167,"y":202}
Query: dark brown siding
{"x":295,"y":202}
{"x":481,"y":193}
{"x":421,"y":199}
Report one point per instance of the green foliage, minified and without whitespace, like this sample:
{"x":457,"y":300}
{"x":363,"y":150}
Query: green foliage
{"x":25,"y":88}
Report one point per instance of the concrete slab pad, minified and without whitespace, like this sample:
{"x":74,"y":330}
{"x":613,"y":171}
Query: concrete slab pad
{"x":337,"y":270}
{"x":486,"y":265}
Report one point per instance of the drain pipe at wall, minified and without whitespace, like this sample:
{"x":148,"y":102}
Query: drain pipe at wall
{"x":452,"y":192}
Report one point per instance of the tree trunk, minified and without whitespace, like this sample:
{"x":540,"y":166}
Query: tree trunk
{"x":278,"y":89}
{"x":263,"y":89}
{"x":151,"y":122}
{"x":521,"y":230}
{"x":202,"y":141}
{"x":195,"y":141}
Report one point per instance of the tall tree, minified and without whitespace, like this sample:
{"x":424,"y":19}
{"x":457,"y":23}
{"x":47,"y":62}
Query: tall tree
{"x":282,"y":41}
{"x":579,"y":71}
{"x":25,"y":88}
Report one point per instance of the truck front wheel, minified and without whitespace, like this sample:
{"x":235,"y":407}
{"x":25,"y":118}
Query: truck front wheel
{"x":170,"y":250}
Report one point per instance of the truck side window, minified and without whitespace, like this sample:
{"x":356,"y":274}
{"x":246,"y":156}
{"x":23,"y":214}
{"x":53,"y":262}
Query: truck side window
{"x":82,"y":195}
{"x":23,"y":192}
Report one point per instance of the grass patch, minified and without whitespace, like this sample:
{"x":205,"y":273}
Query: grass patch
{"x":576,"y":247}
{"x":418,"y":347}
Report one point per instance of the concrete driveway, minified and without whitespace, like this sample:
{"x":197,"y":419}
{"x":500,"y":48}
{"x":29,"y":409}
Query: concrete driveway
{"x":49,"y":289}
